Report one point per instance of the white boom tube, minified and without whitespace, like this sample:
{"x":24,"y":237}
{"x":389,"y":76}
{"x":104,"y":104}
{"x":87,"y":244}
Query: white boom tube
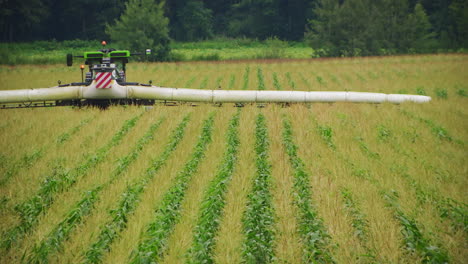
{"x":194,"y":95}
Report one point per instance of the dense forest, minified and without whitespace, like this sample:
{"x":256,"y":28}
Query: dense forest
{"x":337,"y":27}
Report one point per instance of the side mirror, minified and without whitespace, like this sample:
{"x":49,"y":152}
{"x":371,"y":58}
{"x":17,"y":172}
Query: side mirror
{"x":69,"y":60}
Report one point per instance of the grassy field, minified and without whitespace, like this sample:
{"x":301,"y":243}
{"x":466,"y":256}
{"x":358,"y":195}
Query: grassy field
{"x":318,"y":183}
{"x":52,"y":52}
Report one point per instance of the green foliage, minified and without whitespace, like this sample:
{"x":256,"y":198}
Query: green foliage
{"x":245,"y":85}
{"x":261,"y":81}
{"x":366,"y":27}
{"x":291,"y":82}
{"x":276,"y":49}
{"x":462,"y":92}
{"x":143,"y":26}
{"x":358,"y":221}
{"x":420,"y":91}
{"x":276,"y":83}
{"x":441,"y":93}
{"x":214,"y":199}
{"x":53,"y":241}
{"x":60,"y":181}
{"x":365,"y":149}
{"x":131,"y":197}
{"x":232,"y":82}
{"x":67,"y":135}
{"x":154,"y":242}
{"x":384,"y":133}
{"x":326,"y":133}
{"x":258,"y":219}
{"x":194,"y":22}
{"x":314,"y":235}
{"x":436,"y":129}
{"x":413,"y":237}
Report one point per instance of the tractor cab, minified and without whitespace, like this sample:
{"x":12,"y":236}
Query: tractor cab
{"x":104,"y":66}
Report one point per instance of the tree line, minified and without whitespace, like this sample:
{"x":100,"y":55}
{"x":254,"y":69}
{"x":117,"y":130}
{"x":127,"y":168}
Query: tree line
{"x":335,"y":27}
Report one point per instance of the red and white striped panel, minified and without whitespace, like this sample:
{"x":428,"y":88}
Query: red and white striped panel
{"x":103,"y":80}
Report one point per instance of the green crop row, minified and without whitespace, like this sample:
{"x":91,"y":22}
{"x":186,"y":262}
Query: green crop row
{"x":153,"y":245}
{"x":53,"y":241}
{"x":130,"y":199}
{"x":245,"y":85}
{"x":276,"y":83}
{"x":451,"y":209}
{"x":138,"y":147}
{"x":314,"y":235}
{"x":84,"y":207}
{"x":365,"y":149}
{"x":57,"y":183}
{"x":358,"y":220}
{"x":232,"y":82}
{"x":28,"y":160}
{"x":261,"y":81}
{"x":258,"y":219}
{"x":305,"y":80}
{"x":204,"y":83}
{"x":413,"y":237}
{"x":291,"y":82}
{"x":414,"y":240}
{"x":67,"y":135}
{"x":214,"y":199}
{"x":436,"y":129}
{"x":25,"y":162}
{"x":326,"y":133}
{"x":454,"y":210}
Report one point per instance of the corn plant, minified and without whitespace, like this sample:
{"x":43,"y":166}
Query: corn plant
{"x":314,"y":235}
{"x":455,"y":211}
{"x":365,"y":148}
{"x":436,"y":129}
{"x":25,"y":162}
{"x":189,"y":83}
{"x":232,"y":82}
{"x":305,"y":80}
{"x":214,"y":199}
{"x":258,"y":219}
{"x":291,"y":82}
{"x":131,"y":198}
{"x":414,"y":240}
{"x":53,"y":241}
{"x":204,"y":83}
{"x":154,"y":242}
{"x":219,"y":80}
{"x":28,"y":160}
{"x":276,"y":83}
{"x":59,"y":182}
{"x":245,"y":85}
{"x":359,"y":221}
{"x":326,"y":133}
{"x":67,"y":135}
{"x":261,"y":81}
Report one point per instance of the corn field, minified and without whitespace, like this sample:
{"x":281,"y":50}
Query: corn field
{"x":269,"y":183}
